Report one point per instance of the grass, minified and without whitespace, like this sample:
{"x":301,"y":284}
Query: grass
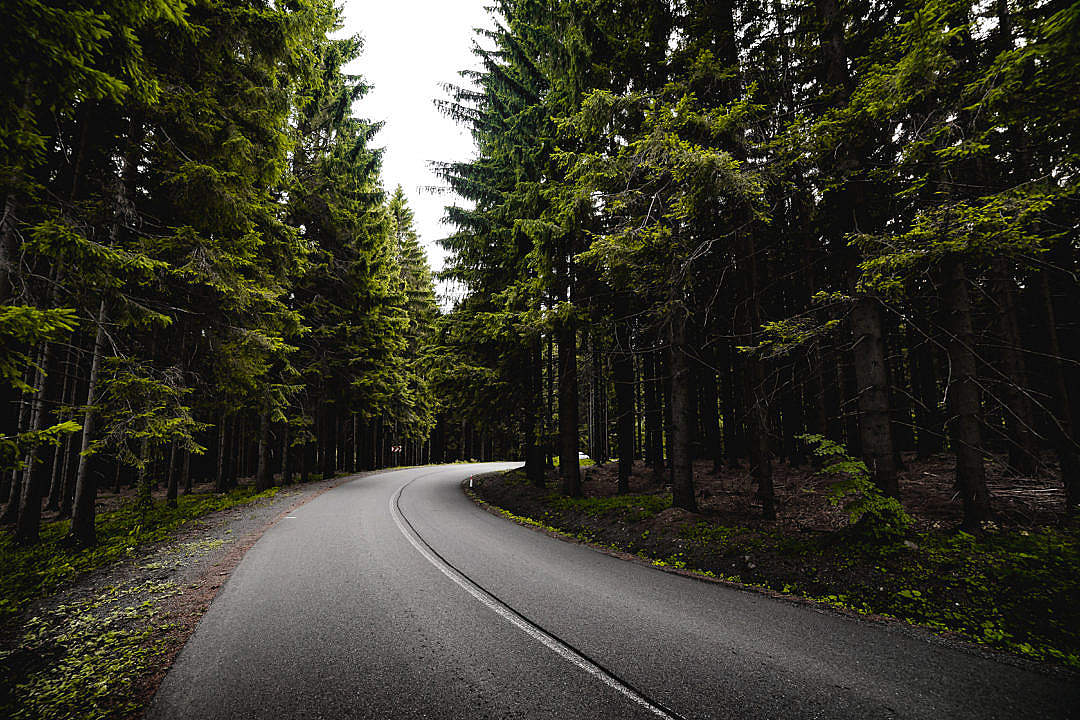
{"x":632,"y":508}
{"x":34,"y":572}
{"x":86,"y":659}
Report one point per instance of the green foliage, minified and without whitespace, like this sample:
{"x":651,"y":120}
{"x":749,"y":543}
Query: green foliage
{"x":1013,"y":590}
{"x":14,"y":448}
{"x":89,"y":655}
{"x":29,"y":573}
{"x":877,"y":516}
{"x":23,"y":325}
{"x":632,"y":508}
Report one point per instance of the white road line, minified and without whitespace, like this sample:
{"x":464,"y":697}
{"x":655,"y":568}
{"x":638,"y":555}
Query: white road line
{"x":497,"y":606}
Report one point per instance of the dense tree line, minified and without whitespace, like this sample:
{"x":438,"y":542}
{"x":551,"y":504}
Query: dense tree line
{"x":200,"y":273}
{"x":705,"y":230}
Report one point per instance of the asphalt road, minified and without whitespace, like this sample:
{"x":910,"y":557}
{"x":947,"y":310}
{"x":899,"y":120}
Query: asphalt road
{"x":394,"y":596}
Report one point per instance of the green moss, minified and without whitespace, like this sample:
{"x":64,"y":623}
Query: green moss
{"x":632,"y":508}
{"x":82,"y":660}
{"x":27,"y":573}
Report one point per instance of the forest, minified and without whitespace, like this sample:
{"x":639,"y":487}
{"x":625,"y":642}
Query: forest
{"x":746,"y":233}
{"x":201,"y":275}
{"x":726,"y":232}
{"x":778,"y":293}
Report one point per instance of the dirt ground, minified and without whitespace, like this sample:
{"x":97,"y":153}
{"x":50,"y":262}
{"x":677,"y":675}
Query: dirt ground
{"x":925,"y":490}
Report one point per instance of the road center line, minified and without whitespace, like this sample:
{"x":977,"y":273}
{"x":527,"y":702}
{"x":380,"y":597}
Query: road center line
{"x":512,"y":616}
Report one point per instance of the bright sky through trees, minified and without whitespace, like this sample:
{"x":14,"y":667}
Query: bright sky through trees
{"x":411,"y":47}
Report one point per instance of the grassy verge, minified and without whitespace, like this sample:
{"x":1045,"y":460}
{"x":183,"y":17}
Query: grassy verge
{"x":91,"y":656}
{"x":87,"y":659}
{"x":1011,"y":589}
{"x":29,"y":573}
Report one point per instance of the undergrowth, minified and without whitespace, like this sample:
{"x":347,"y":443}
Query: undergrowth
{"x":82,"y":660}
{"x":29,"y":573}
{"x":632,"y":508}
{"x":1012,"y":589}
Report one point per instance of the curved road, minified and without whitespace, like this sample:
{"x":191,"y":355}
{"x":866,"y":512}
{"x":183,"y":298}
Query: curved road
{"x":394,"y":596}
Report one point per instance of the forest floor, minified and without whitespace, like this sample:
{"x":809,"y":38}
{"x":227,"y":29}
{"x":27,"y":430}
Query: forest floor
{"x":91,"y":633}
{"x":1012,"y":588}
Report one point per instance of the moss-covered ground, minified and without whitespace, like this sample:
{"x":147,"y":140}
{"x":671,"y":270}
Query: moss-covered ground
{"x":83,"y":631}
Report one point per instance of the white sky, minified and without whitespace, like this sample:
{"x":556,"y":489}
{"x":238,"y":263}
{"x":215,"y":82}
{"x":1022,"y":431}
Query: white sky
{"x":411,"y":47}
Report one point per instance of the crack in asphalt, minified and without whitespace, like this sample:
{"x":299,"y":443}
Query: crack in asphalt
{"x":530,"y":628}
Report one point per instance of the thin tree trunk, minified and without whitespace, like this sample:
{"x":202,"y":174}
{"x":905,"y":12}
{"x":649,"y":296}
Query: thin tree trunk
{"x":1061,"y":426}
{"x":82,"y":515}
{"x":963,"y":394}
{"x":286,"y":456}
{"x":1019,"y":414}
{"x":144,"y":476}
{"x":28,"y":524}
{"x":757,"y":408}
{"x":569,"y":470}
{"x":187,"y":472}
{"x":534,"y":449}
{"x":682,"y":481}
{"x":264,"y":479}
{"x":56,"y":483}
{"x":598,"y":401}
{"x":929,"y":425}
{"x":709,"y":410}
{"x":7,"y":247}
{"x":622,"y":368}
{"x":173,"y":485}
{"x":654,"y":455}
{"x":221,"y":482}
{"x":734,"y":447}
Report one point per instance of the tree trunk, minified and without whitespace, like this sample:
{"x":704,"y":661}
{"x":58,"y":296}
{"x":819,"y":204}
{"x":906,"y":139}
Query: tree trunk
{"x":654,"y":452}
{"x":734,"y":436}
{"x":222,"y":482}
{"x":286,"y":456}
{"x":187,"y":472}
{"x":682,"y":395}
{"x":622,"y":368}
{"x":56,"y":482}
{"x":791,"y":414}
{"x":534,"y":449}
{"x":28,"y":524}
{"x":710,"y":417}
{"x":1019,"y":415}
{"x":7,"y":247}
{"x":1061,"y":426}
{"x":569,"y":470}
{"x":929,"y":425}
{"x":872,"y":383}
{"x":963,"y":394}
{"x":756,"y":412}
{"x":599,"y":448}
{"x":82,"y":515}
{"x":264,"y":478}
{"x":173,"y":485}
{"x":144,"y":476}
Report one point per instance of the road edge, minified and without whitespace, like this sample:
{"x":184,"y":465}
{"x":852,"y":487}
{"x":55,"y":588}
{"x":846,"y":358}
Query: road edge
{"x":927,"y":634}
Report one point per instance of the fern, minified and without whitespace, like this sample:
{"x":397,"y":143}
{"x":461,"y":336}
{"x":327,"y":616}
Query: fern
{"x":881,"y":517}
